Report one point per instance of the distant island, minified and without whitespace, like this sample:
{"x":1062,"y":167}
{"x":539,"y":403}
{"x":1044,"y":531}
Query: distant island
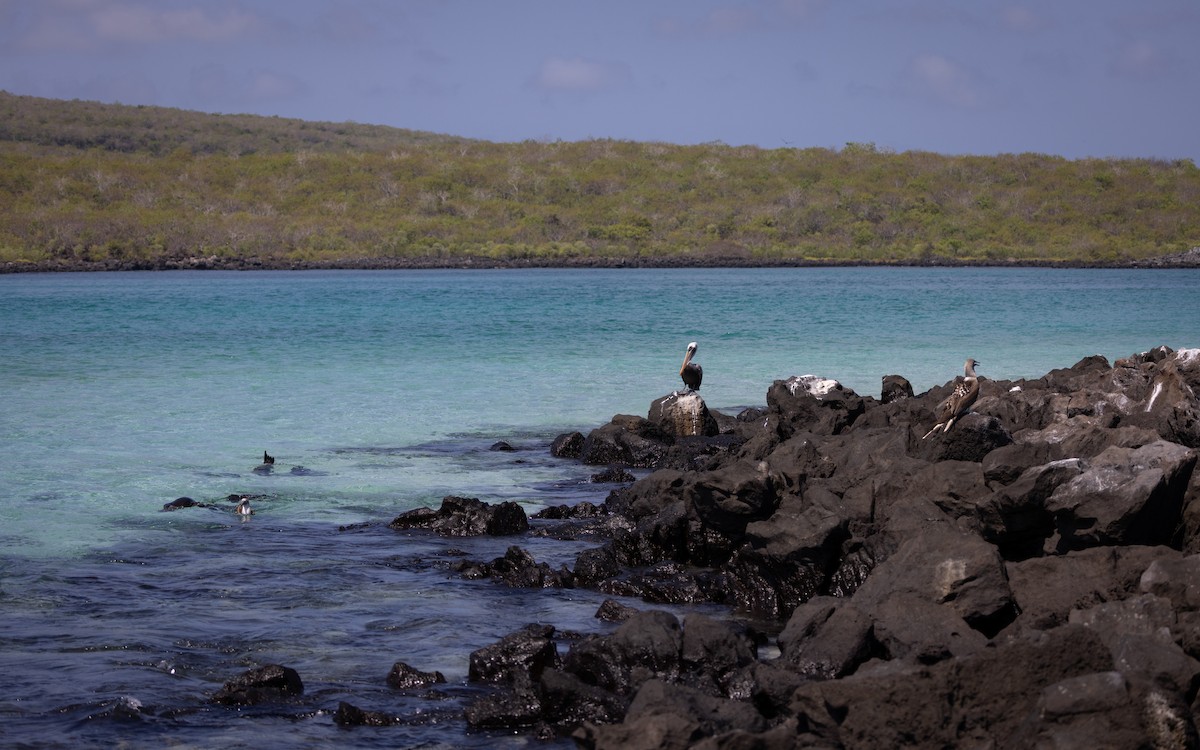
{"x":88,"y":186}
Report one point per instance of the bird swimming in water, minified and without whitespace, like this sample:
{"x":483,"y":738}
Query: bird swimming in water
{"x":691,"y":372}
{"x":268,"y":459}
{"x":959,"y":402}
{"x":243,"y":508}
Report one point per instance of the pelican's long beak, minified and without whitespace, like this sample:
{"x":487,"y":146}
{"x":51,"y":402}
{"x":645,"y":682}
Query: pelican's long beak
{"x":691,"y":351}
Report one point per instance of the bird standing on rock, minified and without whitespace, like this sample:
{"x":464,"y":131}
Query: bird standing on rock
{"x":691,"y":372}
{"x":268,"y":459}
{"x":959,"y":402}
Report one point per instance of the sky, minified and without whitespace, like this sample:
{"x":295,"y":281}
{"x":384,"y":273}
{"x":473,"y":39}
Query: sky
{"x":1075,"y":78}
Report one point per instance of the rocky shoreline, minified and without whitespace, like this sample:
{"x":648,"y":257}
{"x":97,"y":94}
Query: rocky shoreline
{"x":1030,"y":578}
{"x":1188,"y":259}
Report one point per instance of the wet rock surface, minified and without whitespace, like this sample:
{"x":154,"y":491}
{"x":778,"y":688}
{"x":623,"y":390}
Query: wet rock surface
{"x":272,"y":682}
{"x":1030,"y":578}
{"x":466,"y":516}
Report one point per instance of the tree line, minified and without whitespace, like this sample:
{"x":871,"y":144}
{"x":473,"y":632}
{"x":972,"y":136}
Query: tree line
{"x":82,"y":182}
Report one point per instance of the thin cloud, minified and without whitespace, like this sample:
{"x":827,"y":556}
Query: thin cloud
{"x":136,"y":23}
{"x":1021,"y":19}
{"x":266,"y":84}
{"x":1140,"y":59}
{"x":576,"y":74}
{"x":86,"y":25}
{"x":943,"y":80}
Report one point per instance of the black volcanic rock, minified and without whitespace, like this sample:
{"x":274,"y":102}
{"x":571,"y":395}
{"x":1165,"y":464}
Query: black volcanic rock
{"x":268,"y":683}
{"x":1027,"y":579}
{"x":466,"y":516}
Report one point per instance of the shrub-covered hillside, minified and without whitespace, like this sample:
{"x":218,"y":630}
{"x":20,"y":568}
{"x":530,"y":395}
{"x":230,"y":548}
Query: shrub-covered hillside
{"x":84,"y":182}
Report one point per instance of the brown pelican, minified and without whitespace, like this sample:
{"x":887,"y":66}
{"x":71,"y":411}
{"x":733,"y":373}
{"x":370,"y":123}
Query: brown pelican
{"x":957,"y":403}
{"x":691,"y":372}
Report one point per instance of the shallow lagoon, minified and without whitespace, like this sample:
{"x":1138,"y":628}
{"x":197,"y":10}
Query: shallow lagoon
{"x":125,"y":391}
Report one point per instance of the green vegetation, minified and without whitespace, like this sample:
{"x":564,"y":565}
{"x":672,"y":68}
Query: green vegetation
{"x":84,"y":182}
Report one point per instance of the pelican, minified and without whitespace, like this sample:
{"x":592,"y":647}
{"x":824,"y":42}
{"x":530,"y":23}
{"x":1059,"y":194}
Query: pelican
{"x":957,"y":403}
{"x":691,"y":372}
{"x":268,"y":459}
{"x":243,"y":508}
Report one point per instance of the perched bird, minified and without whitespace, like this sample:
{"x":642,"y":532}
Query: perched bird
{"x":691,"y":372}
{"x":243,"y":508}
{"x":268,"y":459}
{"x":959,"y":402}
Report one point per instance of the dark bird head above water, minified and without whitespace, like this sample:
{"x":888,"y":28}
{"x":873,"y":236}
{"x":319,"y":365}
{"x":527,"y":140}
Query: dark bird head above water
{"x":691,"y":372}
{"x":268,"y":459}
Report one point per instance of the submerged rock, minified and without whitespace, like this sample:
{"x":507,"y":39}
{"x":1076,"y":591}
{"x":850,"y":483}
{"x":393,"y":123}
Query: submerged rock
{"x":349,"y":715}
{"x":268,"y":683}
{"x":404,"y":677}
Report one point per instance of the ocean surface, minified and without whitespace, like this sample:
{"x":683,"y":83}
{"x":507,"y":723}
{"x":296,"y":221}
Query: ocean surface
{"x":378,"y":392}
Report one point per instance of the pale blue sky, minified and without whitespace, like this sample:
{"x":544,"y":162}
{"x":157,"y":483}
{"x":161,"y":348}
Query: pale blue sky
{"x":1077,"y":78}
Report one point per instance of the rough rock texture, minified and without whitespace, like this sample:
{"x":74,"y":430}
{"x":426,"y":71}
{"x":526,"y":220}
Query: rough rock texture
{"x":1029,"y":579}
{"x":683,"y":415}
{"x":268,"y":683}
{"x":466,"y":516}
{"x":404,"y":677}
{"x":518,"y":569}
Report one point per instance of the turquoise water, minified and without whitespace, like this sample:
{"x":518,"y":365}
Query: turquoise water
{"x":381,"y":391}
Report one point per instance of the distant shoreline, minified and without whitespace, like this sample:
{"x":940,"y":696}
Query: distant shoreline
{"x":1190,"y":259}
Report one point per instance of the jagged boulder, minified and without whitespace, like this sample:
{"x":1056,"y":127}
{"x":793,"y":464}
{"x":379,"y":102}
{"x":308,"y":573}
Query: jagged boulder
{"x":1015,"y":517}
{"x":567,"y":445}
{"x":646,"y":646}
{"x":272,"y":682}
{"x":1046,"y":589}
{"x":973,"y":436}
{"x":1124,"y":496}
{"x":405,"y":677}
{"x":827,"y":638}
{"x":986,"y":699}
{"x":895,"y":388}
{"x":788,"y":558}
{"x":350,"y":715}
{"x":525,"y":653}
{"x":812,"y":404}
{"x":1172,"y":406}
{"x":466,"y":516}
{"x":627,"y":440}
{"x":518,"y":568}
{"x":942,"y":565}
{"x":665,"y":716}
{"x":683,"y":415}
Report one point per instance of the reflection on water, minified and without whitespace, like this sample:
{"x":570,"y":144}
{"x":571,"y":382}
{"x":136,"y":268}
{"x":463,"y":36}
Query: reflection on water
{"x":138,"y":637}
